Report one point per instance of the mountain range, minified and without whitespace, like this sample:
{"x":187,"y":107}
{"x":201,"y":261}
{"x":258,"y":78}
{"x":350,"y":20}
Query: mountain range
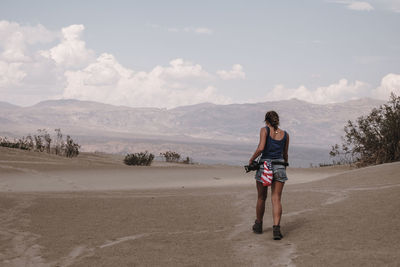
{"x":206,"y":132}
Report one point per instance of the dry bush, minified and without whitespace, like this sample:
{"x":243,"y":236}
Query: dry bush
{"x":42,"y":142}
{"x":171,"y":156}
{"x":187,"y":161}
{"x":141,"y":159}
{"x":372,"y":139}
{"x":22,"y":143}
{"x":71,"y":148}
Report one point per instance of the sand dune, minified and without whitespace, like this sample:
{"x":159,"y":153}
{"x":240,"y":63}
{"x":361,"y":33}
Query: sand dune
{"x":26,"y":171}
{"x":94,"y":211}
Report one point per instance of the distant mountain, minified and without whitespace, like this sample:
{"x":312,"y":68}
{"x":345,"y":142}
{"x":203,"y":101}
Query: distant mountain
{"x":309,"y":125}
{"x":6,"y":105}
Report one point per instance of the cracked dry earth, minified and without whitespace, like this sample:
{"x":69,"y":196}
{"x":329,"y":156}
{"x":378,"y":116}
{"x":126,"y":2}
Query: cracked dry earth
{"x":350,"y":219}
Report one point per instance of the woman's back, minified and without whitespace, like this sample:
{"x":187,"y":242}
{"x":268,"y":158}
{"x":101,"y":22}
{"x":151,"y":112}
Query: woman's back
{"x":275,"y":144}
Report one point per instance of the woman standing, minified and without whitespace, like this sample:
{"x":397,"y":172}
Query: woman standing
{"x":273,"y":147}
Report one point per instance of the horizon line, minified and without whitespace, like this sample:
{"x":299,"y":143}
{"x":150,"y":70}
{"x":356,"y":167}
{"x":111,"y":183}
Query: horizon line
{"x":201,"y":103}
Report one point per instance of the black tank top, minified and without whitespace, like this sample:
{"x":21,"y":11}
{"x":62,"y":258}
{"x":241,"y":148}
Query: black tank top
{"x":273,"y":149}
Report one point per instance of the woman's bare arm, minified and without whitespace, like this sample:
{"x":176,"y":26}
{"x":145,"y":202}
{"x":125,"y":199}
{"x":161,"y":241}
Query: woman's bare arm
{"x":261,"y":144}
{"x":285,"y":152}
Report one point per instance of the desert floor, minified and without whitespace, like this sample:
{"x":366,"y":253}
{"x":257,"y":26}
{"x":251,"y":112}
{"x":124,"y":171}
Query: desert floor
{"x":95,"y":211}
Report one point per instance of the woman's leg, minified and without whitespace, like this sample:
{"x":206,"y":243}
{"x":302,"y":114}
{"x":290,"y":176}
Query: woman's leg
{"x":261,"y":197}
{"x":276,"y":194}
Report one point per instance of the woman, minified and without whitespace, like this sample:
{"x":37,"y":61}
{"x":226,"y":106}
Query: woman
{"x":273,"y":147}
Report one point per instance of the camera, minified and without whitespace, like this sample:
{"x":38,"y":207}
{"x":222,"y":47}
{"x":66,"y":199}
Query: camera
{"x":254,"y":166}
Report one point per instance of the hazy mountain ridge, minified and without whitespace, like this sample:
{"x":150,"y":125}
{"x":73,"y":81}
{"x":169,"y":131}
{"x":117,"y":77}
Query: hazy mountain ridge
{"x":309,"y":124}
{"x":205,"y":131}
{"x":6,"y":105}
{"x":235,"y":122}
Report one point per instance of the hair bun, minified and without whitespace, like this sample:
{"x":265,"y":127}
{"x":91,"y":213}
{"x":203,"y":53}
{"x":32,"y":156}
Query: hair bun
{"x":272,"y":118}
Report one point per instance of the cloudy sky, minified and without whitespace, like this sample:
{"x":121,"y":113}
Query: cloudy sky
{"x":172,"y":53}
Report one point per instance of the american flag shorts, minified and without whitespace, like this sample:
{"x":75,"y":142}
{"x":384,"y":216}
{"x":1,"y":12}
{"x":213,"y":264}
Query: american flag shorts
{"x":269,"y":173}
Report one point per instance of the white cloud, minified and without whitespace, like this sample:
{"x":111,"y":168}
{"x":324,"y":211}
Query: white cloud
{"x":33,"y":68}
{"x":25,"y":76}
{"x":391,"y":5}
{"x":341,"y":91}
{"x":337,"y":92}
{"x":388,"y":5}
{"x":203,"y":30}
{"x":196,"y":30}
{"x":72,"y":51}
{"x":10,"y":74}
{"x":360,"y":6}
{"x":29,"y":82}
{"x":109,"y":82}
{"x":31,"y":73}
{"x":184,"y":69}
{"x":390,"y":83}
{"x":354,"y":5}
{"x":236,"y":73}
{"x":14,"y":40}
{"x":105,"y":71}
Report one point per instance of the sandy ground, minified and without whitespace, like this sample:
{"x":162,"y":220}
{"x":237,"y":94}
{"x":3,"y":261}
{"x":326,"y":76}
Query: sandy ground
{"x":32,"y":171}
{"x":95,"y":211}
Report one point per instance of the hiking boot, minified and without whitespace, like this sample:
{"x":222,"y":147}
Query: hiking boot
{"x":276,"y":230}
{"x":257,"y":227}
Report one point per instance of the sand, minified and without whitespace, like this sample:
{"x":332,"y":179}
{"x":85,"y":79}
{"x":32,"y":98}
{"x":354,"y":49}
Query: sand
{"x":95,"y":211}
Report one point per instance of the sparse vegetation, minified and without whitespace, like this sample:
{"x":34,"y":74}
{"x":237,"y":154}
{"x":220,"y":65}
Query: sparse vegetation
{"x":42,"y":142}
{"x":21,"y":143}
{"x":372,"y":139}
{"x":187,"y":161}
{"x":71,"y":149}
{"x":171,"y":156}
{"x":141,"y":159}
{"x":59,"y":145}
{"x":321,"y":165}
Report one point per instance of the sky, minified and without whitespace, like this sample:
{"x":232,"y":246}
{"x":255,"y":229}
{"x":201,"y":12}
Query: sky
{"x":172,"y":53}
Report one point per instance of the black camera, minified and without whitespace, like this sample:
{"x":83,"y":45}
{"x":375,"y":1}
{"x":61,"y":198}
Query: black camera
{"x":254,"y":166}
